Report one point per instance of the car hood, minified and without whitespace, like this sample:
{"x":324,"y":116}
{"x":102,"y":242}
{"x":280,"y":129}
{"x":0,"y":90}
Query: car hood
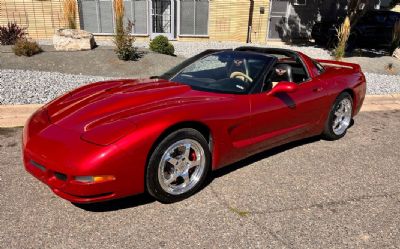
{"x":105,"y":102}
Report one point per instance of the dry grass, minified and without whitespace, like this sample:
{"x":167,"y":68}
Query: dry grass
{"x":119,"y":11}
{"x":343,"y":36}
{"x":123,"y":39}
{"x":69,"y":11}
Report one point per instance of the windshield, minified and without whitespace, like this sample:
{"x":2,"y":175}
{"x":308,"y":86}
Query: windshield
{"x":226,"y":71}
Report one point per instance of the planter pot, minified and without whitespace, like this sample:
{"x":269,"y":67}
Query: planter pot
{"x":73,"y":40}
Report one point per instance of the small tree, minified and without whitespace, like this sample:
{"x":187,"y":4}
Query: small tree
{"x":69,"y":10}
{"x":123,"y":39}
{"x":343,"y":34}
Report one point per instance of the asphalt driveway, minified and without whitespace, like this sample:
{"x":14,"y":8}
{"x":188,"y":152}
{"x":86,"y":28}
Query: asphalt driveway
{"x":309,"y":194}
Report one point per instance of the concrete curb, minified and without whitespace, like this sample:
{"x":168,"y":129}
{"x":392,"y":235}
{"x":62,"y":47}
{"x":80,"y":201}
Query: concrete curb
{"x":16,"y":115}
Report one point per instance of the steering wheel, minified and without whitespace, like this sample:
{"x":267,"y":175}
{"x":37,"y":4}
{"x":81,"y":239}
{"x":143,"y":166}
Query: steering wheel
{"x":240,"y":74}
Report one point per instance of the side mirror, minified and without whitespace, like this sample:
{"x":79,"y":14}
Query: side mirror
{"x":283,"y":87}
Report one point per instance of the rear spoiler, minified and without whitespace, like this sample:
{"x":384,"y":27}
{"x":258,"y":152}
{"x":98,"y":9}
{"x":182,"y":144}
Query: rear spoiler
{"x":353,"y":66}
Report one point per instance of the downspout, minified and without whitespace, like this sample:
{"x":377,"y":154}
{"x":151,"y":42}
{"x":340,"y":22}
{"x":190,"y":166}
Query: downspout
{"x":250,"y":24}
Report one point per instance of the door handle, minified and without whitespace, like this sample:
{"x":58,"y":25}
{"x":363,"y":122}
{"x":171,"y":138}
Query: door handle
{"x":318,"y":89}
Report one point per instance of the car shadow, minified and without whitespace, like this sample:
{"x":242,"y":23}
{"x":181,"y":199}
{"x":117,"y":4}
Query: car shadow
{"x":143,"y":199}
{"x":118,"y":204}
{"x":260,"y":156}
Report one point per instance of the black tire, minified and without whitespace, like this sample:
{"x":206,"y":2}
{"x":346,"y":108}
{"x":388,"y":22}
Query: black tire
{"x":153,"y":185}
{"x":328,"y":132}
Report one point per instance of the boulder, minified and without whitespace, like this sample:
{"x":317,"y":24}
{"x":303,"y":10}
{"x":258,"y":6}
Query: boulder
{"x":73,"y":40}
{"x":396,"y":53}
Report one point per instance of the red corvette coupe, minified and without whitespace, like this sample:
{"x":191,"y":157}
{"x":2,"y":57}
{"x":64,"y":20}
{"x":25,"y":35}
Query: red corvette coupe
{"x":164,"y":135}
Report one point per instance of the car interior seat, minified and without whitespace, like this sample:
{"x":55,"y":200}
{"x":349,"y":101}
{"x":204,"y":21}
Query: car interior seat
{"x":282,"y":72}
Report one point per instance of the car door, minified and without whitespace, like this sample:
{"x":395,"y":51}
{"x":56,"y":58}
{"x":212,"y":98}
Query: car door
{"x":283,"y":117}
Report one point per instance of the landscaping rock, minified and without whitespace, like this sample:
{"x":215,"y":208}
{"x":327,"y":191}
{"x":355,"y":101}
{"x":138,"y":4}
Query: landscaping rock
{"x":396,"y":53}
{"x":73,"y":40}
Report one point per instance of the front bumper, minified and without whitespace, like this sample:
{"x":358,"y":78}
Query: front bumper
{"x":55,"y":156}
{"x":66,"y":187}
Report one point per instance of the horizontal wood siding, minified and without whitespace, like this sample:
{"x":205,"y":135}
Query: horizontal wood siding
{"x":41,"y":18}
{"x":228,"y":19}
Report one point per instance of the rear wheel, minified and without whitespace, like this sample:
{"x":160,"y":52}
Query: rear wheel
{"x":339,"y":118}
{"x":178,"y":166}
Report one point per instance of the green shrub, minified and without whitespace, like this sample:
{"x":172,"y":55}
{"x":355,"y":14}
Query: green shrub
{"x":11,"y":33}
{"x":160,"y":44}
{"x":26,"y":48}
{"x":124,"y":43}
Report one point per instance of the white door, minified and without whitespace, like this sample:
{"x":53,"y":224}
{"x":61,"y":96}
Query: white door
{"x":162,"y":18}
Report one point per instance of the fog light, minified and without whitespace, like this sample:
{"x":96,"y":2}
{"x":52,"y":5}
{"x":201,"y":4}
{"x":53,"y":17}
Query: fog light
{"x":94,"y":179}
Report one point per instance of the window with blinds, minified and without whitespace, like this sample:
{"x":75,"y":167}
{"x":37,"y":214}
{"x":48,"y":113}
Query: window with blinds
{"x":96,"y":16}
{"x":194,"y":17}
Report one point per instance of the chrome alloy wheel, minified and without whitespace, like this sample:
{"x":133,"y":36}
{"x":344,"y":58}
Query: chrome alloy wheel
{"x":342,"y":116}
{"x":181,"y":166}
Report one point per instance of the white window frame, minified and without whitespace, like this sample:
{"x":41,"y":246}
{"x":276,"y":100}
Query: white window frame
{"x":113,"y":20}
{"x":178,"y":20}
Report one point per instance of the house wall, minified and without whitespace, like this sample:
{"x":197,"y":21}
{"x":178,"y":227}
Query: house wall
{"x":228,"y":19}
{"x":40,"y":18}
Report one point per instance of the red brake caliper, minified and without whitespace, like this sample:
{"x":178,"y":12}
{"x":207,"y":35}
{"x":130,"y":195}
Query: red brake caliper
{"x":192,"y":156}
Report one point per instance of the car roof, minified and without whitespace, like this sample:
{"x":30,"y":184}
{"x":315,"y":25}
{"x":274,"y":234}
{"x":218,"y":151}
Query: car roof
{"x":268,"y":51}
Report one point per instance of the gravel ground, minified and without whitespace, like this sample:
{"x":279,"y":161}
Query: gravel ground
{"x":382,"y":84}
{"x":43,"y":77}
{"x":36,"y":87}
{"x":101,"y":61}
{"x":189,"y":49}
{"x":309,"y":194}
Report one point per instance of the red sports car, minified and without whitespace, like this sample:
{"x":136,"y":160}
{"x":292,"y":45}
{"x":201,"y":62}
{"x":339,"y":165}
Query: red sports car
{"x":164,"y":135}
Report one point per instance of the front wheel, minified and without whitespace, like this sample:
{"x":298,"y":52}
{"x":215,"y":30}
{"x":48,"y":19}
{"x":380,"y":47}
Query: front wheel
{"x":178,"y":166}
{"x":339,"y":118}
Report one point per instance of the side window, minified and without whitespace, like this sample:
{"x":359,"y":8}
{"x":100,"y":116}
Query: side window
{"x":208,"y":63}
{"x":319,"y":67}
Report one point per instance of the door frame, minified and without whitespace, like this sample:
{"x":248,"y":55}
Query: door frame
{"x":171,"y":35}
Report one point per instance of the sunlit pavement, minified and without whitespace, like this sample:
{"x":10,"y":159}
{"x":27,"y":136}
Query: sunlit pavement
{"x":309,"y":194}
